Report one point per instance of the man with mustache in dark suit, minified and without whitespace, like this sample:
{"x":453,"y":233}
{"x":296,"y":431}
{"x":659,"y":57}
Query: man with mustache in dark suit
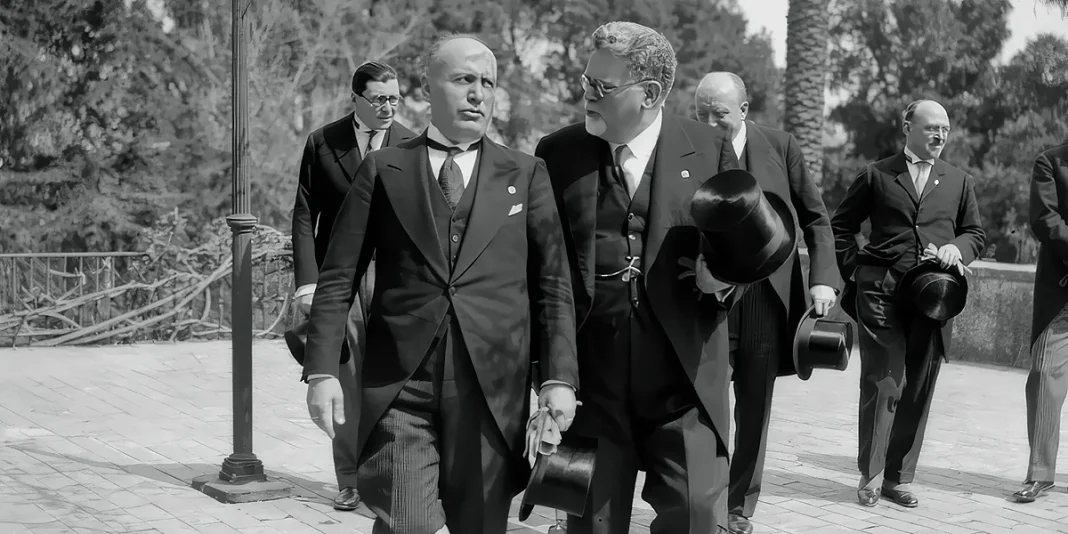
{"x":331,"y":157}
{"x":919,"y":207}
{"x":652,"y":338}
{"x":472,"y":281}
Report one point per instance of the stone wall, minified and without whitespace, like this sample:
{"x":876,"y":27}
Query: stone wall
{"x":995,"y":327}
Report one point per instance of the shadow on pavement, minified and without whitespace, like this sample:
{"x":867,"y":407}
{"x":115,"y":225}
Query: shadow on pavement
{"x":950,"y":480}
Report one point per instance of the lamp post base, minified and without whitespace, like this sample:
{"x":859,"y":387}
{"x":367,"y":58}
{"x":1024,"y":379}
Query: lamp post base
{"x":254,"y":490}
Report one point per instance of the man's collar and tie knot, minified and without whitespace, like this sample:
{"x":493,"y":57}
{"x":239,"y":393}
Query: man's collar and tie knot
{"x":452,"y":150}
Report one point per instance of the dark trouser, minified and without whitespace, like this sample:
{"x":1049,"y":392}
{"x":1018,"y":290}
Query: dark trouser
{"x":757,"y":324}
{"x":899,"y":362}
{"x":346,"y":435}
{"x":643,"y":409}
{"x":436,"y":457}
{"x":1047,"y":386}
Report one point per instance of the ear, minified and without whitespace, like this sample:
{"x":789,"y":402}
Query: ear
{"x":745,"y":110}
{"x":905,"y":127}
{"x":424,"y":83}
{"x":653,"y":93}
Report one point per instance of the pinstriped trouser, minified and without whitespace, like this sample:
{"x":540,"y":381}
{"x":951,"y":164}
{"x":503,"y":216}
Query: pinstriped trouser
{"x":1047,"y":386}
{"x":436,"y":457}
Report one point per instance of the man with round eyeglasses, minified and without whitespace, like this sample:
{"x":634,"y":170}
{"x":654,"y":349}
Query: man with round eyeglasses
{"x":652,"y":333}
{"x":331,"y":156}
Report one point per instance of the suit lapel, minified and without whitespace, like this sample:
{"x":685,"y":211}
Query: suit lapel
{"x":901,"y":170}
{"x":580,"y":214}
{"x":492,"y":203}
{"x":760,"y":157}
{"x":406,"y":184}
{"x":938,"y":171}
{"x":676,"y":160}
{"x":397,"y":135}
{"x":341,"y":137}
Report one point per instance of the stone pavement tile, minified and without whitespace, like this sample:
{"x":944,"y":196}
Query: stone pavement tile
{"x":26,"y":514}
{"x":14,"y":528}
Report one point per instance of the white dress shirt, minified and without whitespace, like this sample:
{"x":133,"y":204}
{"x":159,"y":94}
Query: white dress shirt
{"x":640,"y":150}
{"x":919,"y":173}
{"x":739,"y":141}
{"x":465,"y":161}
{"x":363,"y":134}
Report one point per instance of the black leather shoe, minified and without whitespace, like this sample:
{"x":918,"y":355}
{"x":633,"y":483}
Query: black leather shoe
{"x":901,"y":497}
{"x":867,"y":497}
{"x":1032,"y":491}
{"x":739,"y":525}
{"x":347,"y":499}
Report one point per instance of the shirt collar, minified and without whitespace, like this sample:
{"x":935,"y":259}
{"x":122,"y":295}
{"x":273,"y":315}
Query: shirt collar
{"x":739,"y":140}
{"x":911,"y":157}
{"x":360,"y":127}
{"x":432,"y":132}
{"x":644,"y":143}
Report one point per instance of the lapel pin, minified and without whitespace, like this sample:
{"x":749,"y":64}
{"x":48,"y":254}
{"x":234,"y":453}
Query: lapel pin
{"x":511,"y":190}
{"x":936,"y":182}
{"x":685,"y":173}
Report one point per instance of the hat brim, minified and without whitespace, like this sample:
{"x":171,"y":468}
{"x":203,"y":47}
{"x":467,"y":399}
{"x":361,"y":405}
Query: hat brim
{"x":905,"y":296}
{"x":801,"y":335}
{"x":551,"y":477}
{"x":737,"y":273}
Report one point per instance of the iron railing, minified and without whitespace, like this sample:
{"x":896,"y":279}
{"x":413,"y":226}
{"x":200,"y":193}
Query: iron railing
{"x":115,"y":297}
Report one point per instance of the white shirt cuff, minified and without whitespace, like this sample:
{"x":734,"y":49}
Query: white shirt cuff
{"x":306,"y":289}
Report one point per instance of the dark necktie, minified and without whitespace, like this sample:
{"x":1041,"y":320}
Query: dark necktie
{"x":450,"y":178}
{"x":370,"y":141}
{"x":618,"y":168}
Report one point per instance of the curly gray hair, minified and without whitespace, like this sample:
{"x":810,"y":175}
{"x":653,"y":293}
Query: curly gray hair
{"x":647,"y":52}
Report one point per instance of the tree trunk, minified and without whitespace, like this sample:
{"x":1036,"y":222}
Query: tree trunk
{"x":806,"y":74}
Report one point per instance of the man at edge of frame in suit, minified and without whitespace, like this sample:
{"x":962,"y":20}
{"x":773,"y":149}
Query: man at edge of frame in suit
{"x":472,"y":280}
{"x":763,"y":323}
{"x":331,"y":157}
{"x":652,"y":334}
{"x":1047,"y":383}
{"x":920,"y":207}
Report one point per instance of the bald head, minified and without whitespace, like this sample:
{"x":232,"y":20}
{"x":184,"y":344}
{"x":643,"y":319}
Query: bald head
{"x":926,"y":126}
{"x":460,"y":79}
{"x":721,"y":100}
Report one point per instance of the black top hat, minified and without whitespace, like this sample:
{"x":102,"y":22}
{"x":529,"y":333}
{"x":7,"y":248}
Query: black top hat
{"x":934,"y":292}
{"x":295,"y":341}
{"x":821,"y":343}
{"x":562,"y":480}
{"x":751,"y":234}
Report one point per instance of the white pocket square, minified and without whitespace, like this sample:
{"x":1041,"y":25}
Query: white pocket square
{"x":515,"y":209}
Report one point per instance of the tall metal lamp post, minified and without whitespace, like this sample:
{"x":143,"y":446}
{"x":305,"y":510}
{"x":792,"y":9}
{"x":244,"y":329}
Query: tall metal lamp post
{"x":241,"y":478}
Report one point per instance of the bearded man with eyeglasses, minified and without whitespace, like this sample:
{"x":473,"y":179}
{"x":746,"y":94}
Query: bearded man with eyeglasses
{"x":652,"y":333}
{"x":331,"y":157}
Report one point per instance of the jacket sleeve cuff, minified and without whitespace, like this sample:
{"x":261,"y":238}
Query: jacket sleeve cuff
{"x":554,"y":383}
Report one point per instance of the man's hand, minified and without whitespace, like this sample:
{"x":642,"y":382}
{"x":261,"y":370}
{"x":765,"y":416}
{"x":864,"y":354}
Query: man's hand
{"x":823,"y":297}
{"x":707,"y":283}
{"x":948,"y":256}
{"x":560,"y":400}
{"x":326,"y":403}
{"x":304,"y":303}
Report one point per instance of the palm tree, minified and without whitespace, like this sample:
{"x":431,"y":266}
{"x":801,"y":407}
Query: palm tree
{"x":1062,"y":4}
{"x":805,"y":80}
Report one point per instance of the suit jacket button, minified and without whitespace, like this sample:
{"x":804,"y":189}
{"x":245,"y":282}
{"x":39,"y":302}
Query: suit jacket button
{"x":452,"y":290}
{"x":455,"y":238}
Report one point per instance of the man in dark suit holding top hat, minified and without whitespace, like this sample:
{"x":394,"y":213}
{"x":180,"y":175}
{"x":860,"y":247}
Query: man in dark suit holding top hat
{"x":472,"y":278}
{"x":331,"y":157}
{"x":652,"y":336}
{"x":762,"y":325}
{"x":920,"y":208}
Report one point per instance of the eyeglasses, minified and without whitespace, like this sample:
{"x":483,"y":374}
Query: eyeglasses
{"x":382,"y":100}
{"x":600,"y":91}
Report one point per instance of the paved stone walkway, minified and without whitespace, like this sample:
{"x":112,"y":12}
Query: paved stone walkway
{"x":108,"y":439}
